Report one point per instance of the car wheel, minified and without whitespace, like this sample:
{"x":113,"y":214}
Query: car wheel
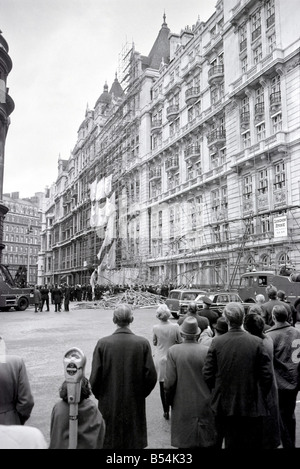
{"x":22,"y":304}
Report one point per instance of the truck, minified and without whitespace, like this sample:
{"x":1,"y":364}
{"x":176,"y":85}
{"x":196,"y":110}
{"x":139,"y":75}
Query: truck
{"x":12,"y":295}
{"x":255,"y":282}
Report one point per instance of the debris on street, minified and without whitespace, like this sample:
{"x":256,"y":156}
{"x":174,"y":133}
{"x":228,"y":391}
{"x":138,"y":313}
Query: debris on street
{"x":138,"y":299}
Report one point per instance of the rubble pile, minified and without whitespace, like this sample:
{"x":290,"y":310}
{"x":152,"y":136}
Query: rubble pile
{"x":136,"y":299}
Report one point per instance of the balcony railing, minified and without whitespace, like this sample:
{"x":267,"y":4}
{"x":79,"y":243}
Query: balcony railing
{"x":154,"y":173}
{"x":172,"y":112}
{"x":192,"y":152}
{"x":245,"y":118}
{"x":192,"y":94}
{"x":215,"y":73}
{"x":156,"y":125}
{"x":217,"y":137}
{"x":259,"y":109}
{"x":172,"y":163}
{"x":275,"y":100}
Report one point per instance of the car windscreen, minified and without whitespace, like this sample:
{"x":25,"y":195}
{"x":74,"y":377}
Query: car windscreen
{"x":174,"y":295}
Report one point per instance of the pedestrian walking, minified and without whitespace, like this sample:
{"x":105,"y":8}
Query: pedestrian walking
{"x":238,"y":370}
{"x":192,"y":419}
{"x":16,"y":399}
{"x":91,"y":425}
{"x":123,"y":374}
{"x":45,"y":297}
{"x":165,"y":334}
{"x":286,"y":340}
{"x":37,"y":299}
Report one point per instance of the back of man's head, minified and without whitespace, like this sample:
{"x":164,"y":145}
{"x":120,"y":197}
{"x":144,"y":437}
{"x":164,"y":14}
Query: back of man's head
{"x":260,"y":298}
{"x":192,"y":307}
{"x":271,"y":292}
{"x":281,"y":295}
{"x":123,"y":315}
{"x":234,"y":313}
{"x":280,"y":313}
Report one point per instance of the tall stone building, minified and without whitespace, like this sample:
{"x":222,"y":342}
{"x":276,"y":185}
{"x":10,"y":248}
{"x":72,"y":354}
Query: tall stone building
{"x":186,"y":169}
{"x":22,"y":236}
{"x":6,"y":108}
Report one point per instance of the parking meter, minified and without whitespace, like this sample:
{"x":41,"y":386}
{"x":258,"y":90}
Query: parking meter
{"x":74,"y":365}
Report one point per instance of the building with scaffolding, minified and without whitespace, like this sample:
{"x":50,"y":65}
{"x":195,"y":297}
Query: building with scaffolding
{"x":185,"y":172}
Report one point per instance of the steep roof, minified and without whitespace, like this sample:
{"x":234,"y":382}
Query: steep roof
{"x":116,"y":89}
{"x":161,"y":47}
{"x":105,"y":97}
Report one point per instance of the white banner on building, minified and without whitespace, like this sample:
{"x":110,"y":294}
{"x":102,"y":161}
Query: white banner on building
{"x":280,"y":226}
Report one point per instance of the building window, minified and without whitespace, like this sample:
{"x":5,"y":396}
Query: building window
{"x":243,"y":37}
{"x":262,"y":181}
{"x":259,"y":108}
{"x":260,"y":131}
{"x":216,"y":234}
{"x":224,"y":200}
{"x":246,"y":139}
{"x":271,"y":43}
{"x":270,"y":13}
{"x":190,"y":114}
{"x":257,"y":54}
{"x":244,"y":64}
{"x":265,"y":223}
{"x":215,"y":200}
{"x":277,"y":123}
{"x":247,"y":187}
{"x":245,"y":112}
{"x":279,"y":171}
{"x":256,"y":25}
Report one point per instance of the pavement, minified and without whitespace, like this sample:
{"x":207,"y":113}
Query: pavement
{"x":43,"y":338}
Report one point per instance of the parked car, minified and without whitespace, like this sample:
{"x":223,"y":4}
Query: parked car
{"x":219,"y":300}
{"x":179,"y":299}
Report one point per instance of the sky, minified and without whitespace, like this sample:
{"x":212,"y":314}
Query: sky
{"x":63,"y":52}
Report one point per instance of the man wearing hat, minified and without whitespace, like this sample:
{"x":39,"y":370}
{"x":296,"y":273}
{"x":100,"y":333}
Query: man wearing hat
{"x":192,"y":420}
{"x":208,"y":313}
{"x":192,"y":311}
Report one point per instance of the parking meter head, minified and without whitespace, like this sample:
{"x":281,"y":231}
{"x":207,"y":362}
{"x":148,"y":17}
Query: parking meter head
{"x":74,"y":365}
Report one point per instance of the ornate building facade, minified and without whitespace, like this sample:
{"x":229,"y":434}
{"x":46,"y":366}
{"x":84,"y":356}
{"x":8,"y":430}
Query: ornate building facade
{"x":186,"y":169}
{"x":22,"y":236}
{"x":6,"y":108}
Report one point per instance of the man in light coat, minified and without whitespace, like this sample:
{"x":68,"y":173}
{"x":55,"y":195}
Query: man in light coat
{"x":238,"y":370}
{"x":123,"y":374}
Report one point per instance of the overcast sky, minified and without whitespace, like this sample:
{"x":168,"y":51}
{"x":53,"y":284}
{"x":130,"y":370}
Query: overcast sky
{"x":63,"y":51}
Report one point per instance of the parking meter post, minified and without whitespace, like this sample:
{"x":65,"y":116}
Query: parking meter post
{"x":74,"y":364}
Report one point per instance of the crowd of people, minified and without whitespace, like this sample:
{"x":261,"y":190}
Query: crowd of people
{"x":225,"y":382}
{"x":60,"y":295}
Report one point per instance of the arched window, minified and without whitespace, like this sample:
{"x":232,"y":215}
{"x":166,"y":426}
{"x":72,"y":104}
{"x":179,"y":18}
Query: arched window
{"x":265,"y":261}
{"x":283,"y":259}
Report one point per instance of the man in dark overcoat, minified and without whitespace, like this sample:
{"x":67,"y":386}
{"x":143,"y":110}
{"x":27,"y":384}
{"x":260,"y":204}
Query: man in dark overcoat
{"x":123,"y":374}
{"x":239,"y":372}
